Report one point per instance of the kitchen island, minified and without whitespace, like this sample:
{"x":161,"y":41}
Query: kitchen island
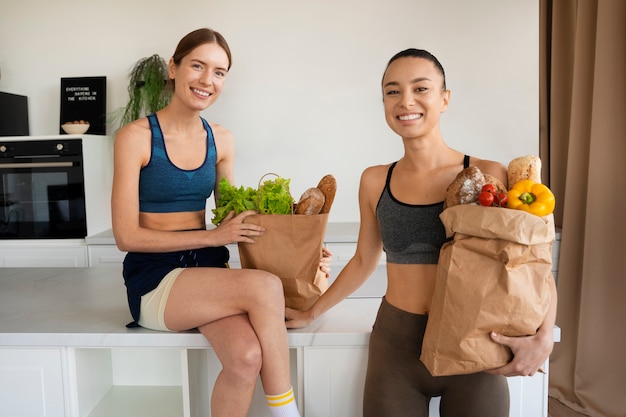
{"x":64,"y":348}
{"x":65,"y":352}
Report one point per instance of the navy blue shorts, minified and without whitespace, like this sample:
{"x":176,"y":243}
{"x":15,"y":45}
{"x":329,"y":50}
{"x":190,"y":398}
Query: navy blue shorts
{"x":144,"y":271}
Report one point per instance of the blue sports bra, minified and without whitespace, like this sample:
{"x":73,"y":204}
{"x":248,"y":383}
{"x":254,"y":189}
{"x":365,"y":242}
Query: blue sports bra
{"x":165,"y":188}
{"x":411,"y":234}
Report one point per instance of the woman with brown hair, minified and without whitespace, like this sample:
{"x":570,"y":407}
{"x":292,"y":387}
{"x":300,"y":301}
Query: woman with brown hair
{"x":166,"y":165}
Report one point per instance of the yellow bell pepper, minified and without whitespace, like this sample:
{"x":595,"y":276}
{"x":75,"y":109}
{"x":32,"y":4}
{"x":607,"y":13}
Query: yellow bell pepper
{"x":530,"y":196}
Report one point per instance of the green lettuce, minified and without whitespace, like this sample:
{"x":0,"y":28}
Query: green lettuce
{"x":272,"y":197}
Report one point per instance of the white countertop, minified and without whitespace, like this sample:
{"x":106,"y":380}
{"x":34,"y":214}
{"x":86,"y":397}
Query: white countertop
{"x":347,"y":232}
{"x":87,"y":307}
{"x":335,"y":233}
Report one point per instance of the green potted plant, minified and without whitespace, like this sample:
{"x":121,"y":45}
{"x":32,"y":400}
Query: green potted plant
{"x":148,"y":89}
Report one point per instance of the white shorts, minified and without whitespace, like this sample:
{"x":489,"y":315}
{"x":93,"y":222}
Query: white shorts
{"x":152,"y":310}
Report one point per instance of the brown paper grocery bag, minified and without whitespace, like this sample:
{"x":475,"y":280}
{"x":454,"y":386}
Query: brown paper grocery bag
{"x":290,"y":248}
{"x":493,"y":276}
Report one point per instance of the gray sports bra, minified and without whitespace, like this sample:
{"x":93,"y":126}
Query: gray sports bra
{"x":411,"y":233}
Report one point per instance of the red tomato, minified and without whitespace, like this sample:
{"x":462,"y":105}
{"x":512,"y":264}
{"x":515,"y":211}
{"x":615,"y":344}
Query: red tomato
{"x":502,"y":199}
{"x":490,"y":188}
{"x":485,"y":198}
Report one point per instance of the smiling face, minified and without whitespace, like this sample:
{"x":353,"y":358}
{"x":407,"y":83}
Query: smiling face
{"x":414,"y":97}
{"x":200,"y":75}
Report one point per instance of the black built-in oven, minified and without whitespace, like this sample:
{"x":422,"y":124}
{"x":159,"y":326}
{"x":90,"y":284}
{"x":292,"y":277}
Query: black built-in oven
{"x":42,"y":190}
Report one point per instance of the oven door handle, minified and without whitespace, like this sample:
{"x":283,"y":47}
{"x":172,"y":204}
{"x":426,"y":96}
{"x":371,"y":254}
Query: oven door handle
{"x":36,"y":164}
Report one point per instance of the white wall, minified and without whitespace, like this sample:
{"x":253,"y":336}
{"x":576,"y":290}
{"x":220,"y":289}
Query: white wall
{"x":303,"y":96}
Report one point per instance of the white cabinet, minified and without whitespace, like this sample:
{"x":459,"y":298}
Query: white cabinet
{"x":47,"y":254}
{"x":126,"y":381}
{"x":525,"y":393}
{"x":108,"y":255}
{"x":334,"y":378}
{"x":31,"y":383}
{"x":105,"y":256}
{"x":129,"y":382}
{"x":150,"y":382}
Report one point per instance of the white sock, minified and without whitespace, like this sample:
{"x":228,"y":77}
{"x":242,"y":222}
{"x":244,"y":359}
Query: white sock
{"x":283,"y":405}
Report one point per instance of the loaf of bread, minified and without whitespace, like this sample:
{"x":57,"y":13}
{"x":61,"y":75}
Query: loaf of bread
{"x":524,"y":168}
{"x":328,"y":186}
{"x":311,"y":202}
{"x":465,"y":188}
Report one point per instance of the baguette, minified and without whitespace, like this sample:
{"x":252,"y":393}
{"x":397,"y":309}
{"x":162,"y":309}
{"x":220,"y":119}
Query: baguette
{"x":328,"y":186}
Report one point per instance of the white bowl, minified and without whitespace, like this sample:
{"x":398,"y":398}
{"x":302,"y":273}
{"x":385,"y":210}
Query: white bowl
{"x":75,"y":128}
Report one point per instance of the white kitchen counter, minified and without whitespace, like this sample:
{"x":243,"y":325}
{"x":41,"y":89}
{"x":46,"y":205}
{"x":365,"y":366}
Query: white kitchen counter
{"x":87,"y":307}
{"x":341,"y":232}
{"x":65,"y":349}
{"x":62,"y":333}
{"x":335,"y":233}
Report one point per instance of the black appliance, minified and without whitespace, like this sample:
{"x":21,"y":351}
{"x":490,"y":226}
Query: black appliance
{"x":42,"y":191}
{"x":13,"y":115}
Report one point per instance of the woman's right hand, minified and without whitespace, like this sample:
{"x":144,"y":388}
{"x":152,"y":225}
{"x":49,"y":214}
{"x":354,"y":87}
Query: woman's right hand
{"x":296,"y":319}
{"x":233,"y":229}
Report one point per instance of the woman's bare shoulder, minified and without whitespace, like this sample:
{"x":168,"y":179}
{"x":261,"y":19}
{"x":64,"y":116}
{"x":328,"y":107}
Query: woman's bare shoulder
{"x":373,"y":179}
{"x":224,"y":142}
{"x":493,"y":168}
{"x":136,"y":129}
{"x":375,"y":173}
{"x":221,"y":132}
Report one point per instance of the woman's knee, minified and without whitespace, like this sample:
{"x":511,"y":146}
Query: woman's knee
{"x":244,"y":360}
{"x":267,"y":287}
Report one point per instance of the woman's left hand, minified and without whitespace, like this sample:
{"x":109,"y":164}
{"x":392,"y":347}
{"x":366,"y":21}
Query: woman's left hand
{"x":529,"y":353}
{"x":325,"y":261}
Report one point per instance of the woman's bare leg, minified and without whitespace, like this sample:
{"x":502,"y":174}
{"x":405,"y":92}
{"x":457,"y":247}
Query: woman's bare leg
{"x":203,"y":295}
{"x":237,"y":347}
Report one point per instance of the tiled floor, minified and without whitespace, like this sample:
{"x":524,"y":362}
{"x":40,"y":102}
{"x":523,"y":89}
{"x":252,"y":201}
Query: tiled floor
{"x":556,"y":409}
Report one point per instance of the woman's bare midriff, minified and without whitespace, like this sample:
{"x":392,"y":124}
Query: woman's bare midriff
{"x":410,"y":287}
{"x":188,"y":220}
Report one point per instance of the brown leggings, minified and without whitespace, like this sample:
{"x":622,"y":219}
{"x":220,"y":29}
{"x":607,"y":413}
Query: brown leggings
{"x":399,"y":385}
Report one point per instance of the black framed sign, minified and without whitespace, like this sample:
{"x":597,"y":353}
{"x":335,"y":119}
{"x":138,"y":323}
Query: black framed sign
{"x":84,"y":98}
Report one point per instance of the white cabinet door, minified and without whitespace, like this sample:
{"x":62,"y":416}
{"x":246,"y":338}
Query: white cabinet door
{"x":529,"y":395}
{"x":23,"y":256}
{"x":31,"y":383}
{"x":111,"y":256}
{"x":334,"y":378}
{"x":105,"y":256}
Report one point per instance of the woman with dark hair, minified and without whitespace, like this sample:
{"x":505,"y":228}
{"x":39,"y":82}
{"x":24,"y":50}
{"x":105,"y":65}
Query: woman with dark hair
{"x":400,"y":205}
{"x":166,"y":165}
